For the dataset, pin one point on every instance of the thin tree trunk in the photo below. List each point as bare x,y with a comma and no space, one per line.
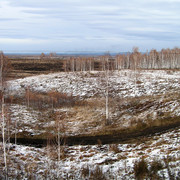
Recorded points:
107,93
15,132
3,134
3,115
28,97
107,102
135,80
59,149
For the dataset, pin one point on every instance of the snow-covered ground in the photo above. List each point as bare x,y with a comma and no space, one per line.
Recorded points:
143,96
79,161
125,83
157,96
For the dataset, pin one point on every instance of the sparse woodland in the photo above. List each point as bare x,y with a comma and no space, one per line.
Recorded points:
164,59
91,117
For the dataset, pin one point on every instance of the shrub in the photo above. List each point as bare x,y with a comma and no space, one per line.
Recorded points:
85,171
97,174
114,148
93,173
140,169
156,166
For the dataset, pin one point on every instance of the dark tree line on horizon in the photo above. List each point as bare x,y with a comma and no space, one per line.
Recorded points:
164,59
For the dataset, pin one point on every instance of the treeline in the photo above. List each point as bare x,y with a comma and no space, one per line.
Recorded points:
164,59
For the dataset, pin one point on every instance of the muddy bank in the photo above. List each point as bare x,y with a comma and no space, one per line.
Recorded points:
121,137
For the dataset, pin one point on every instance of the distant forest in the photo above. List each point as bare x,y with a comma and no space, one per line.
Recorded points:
164,59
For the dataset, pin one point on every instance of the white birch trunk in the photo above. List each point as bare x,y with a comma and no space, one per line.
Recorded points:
3,114
135,80
107,93
59,149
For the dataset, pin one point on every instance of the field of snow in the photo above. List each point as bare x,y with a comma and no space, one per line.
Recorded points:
125,83
141,96
145,98
114,161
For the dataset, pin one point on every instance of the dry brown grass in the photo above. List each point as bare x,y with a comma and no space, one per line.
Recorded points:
52,152
114,148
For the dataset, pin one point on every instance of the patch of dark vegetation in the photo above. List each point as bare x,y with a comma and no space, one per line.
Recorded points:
118,137
30,141
145,170
114,148
47,66
43,101
93,173
23,66
156,166
149,170
141,169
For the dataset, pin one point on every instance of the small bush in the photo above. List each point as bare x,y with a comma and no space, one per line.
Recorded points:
64,153
156,166
92,173
97,174
140,169
114,148
85,171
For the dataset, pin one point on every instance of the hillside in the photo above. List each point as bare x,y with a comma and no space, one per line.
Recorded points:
73,106
143,98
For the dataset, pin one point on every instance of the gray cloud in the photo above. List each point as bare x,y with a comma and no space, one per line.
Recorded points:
89,24
9,19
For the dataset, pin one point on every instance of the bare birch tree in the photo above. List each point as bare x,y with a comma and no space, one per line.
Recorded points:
3,72
107,56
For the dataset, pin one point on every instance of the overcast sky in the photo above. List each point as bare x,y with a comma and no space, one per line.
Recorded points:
88,25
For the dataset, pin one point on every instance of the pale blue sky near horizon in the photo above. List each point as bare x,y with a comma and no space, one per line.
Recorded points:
88,25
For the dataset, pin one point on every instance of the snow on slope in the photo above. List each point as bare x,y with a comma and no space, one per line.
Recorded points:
42,163
88,84
93,84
